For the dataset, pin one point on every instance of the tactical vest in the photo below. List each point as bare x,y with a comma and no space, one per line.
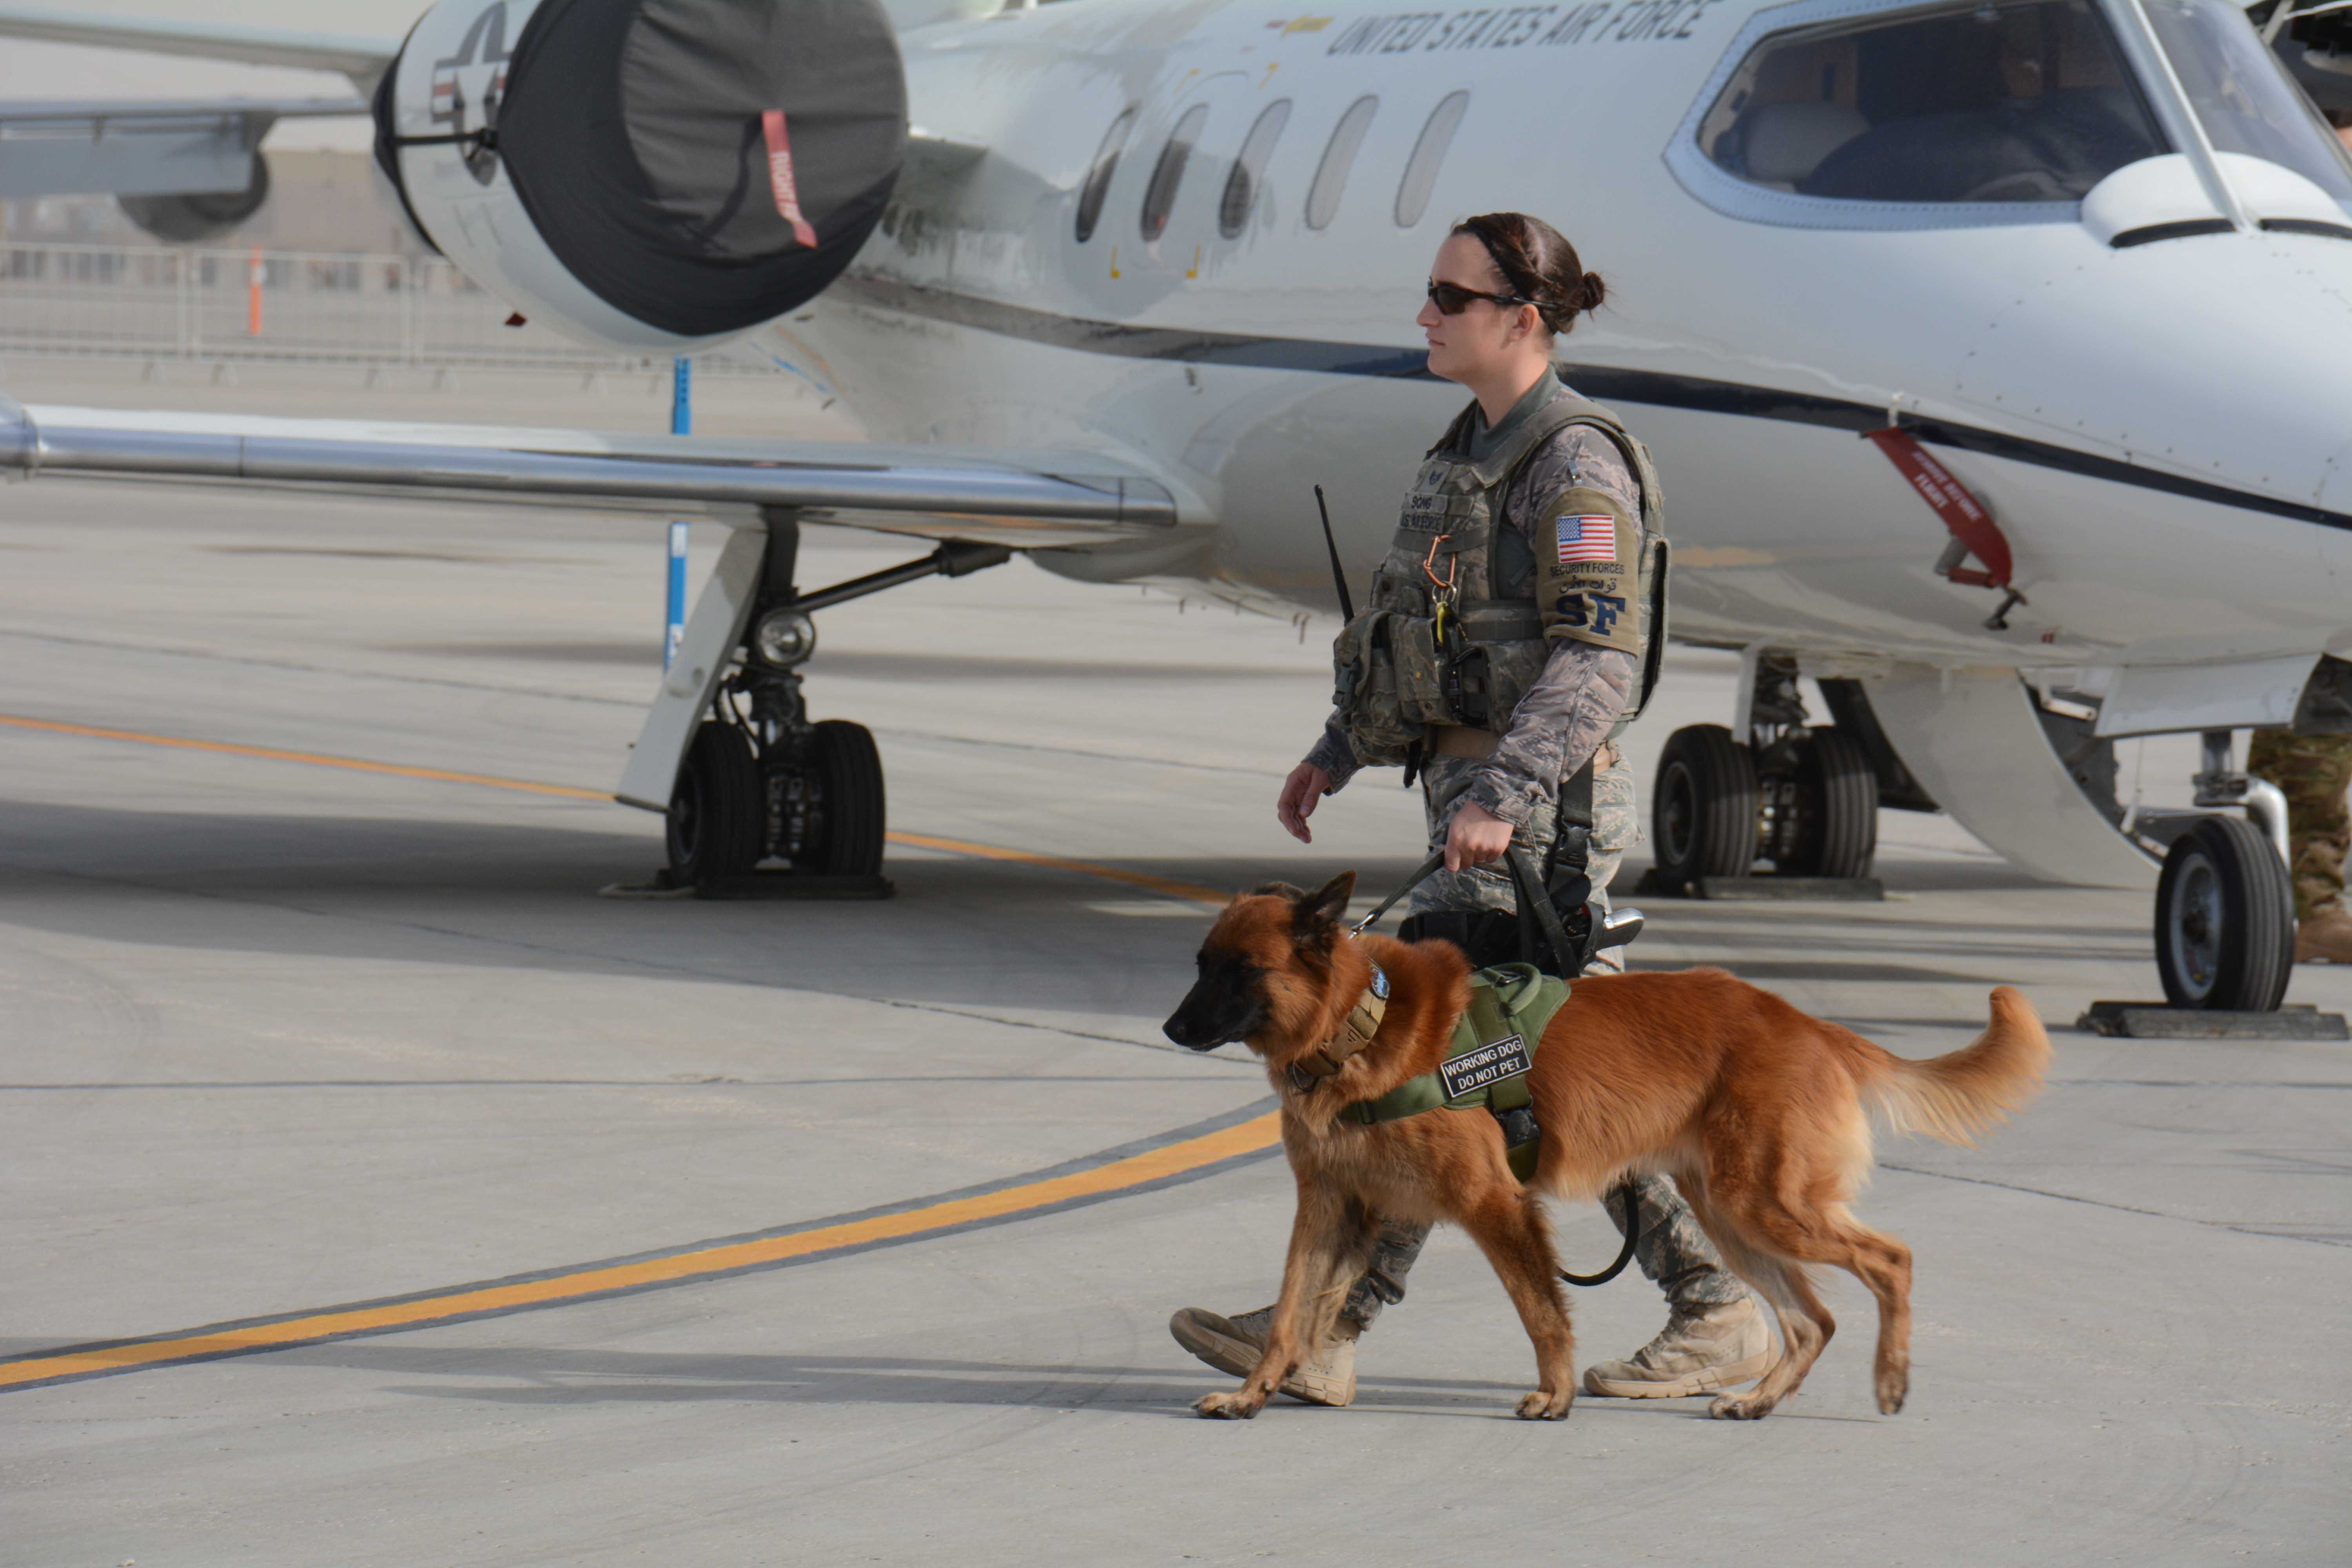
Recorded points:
1402,666
1488,1062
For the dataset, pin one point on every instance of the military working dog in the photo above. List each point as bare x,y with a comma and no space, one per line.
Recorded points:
1759,1111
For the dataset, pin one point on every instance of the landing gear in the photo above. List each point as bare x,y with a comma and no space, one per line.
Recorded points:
1803,798
1820,806
2224,919
718,823
759,781
2225,903
768,784
1705,813
828,808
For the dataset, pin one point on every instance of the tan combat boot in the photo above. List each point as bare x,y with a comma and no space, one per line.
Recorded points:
1234,1344
2326,937
1695,1354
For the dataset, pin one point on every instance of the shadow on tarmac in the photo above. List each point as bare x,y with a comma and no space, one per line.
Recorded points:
516,895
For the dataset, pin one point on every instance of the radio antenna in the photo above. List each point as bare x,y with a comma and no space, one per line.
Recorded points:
1339,578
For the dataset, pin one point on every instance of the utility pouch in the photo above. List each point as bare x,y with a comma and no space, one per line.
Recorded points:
1420,670
1380,727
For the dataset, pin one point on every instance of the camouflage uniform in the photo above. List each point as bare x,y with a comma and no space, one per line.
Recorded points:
2312,770
1566,717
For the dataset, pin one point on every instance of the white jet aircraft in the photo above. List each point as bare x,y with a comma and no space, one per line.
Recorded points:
1996,354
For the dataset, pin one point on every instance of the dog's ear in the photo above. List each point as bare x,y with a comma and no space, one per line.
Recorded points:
1277,890
1328,904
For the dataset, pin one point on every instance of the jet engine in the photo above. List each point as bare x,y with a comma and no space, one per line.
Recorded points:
646,175
191,218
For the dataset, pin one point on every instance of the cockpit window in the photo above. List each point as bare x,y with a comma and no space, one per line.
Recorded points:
2243,96
1988,102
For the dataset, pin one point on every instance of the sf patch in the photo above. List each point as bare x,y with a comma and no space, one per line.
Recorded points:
1594,613
1483,1065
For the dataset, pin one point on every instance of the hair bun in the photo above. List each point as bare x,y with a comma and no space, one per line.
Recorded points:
1537,265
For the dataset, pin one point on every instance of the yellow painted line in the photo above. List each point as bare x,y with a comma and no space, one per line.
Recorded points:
439,775
1145,880
1136,1170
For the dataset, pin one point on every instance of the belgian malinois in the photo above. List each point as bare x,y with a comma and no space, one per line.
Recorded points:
1756,1110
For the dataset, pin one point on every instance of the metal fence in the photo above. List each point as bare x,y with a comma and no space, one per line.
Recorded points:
140,302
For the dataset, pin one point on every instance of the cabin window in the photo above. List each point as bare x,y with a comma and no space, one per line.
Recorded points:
1428,153
1988,102
1249,169
1160,196
1106,163
1331,175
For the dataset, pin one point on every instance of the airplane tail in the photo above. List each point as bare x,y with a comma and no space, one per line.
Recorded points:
1954,1097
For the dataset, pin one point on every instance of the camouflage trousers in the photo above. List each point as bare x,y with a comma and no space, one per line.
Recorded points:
1672,1250
2312,770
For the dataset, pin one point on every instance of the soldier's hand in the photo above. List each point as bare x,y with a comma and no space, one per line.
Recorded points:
1476,838
1300,793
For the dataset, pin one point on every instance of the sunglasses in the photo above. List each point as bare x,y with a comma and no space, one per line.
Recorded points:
1452,298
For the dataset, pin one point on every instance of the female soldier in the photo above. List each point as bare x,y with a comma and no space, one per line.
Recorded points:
1525,527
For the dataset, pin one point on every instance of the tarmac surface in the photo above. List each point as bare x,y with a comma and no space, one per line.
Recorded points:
572,1229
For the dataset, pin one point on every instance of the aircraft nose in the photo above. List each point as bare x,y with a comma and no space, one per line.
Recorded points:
2222,358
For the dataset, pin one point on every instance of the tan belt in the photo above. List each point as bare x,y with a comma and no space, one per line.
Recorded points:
1461,740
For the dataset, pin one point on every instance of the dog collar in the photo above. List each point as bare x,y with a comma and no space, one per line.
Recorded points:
1356,1032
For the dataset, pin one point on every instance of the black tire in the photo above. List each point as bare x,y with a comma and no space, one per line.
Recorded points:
1702,815
2224,919
845,776
718,822
1837,808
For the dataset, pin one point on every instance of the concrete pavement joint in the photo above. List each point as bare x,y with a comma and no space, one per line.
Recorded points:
2102,1203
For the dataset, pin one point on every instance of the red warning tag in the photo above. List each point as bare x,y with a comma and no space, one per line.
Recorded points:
779,177
1962,513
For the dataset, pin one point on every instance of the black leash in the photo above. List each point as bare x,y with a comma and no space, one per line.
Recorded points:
1534,896
1428,868
1624,1254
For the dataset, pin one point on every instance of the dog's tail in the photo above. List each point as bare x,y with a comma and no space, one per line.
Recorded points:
1953,1097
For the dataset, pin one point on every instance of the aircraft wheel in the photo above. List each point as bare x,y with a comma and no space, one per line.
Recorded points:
1703,817
844,778
1837,808
718,822
2224,919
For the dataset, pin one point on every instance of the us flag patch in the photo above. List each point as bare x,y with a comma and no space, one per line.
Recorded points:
1587,539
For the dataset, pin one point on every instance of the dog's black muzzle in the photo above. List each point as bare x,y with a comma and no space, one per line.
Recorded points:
1223,1004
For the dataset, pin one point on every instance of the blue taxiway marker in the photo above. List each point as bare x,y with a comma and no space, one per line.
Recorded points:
681,423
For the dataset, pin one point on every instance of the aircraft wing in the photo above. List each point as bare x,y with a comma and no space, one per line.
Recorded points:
362,59
1047,499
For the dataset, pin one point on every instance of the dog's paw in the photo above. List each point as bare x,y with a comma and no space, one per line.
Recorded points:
1227,1406
1740,1407
1544,1406
1891,1392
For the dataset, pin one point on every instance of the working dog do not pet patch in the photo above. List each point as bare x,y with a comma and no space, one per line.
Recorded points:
1488,1064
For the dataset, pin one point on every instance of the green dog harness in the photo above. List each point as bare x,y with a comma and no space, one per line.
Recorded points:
1487,1065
